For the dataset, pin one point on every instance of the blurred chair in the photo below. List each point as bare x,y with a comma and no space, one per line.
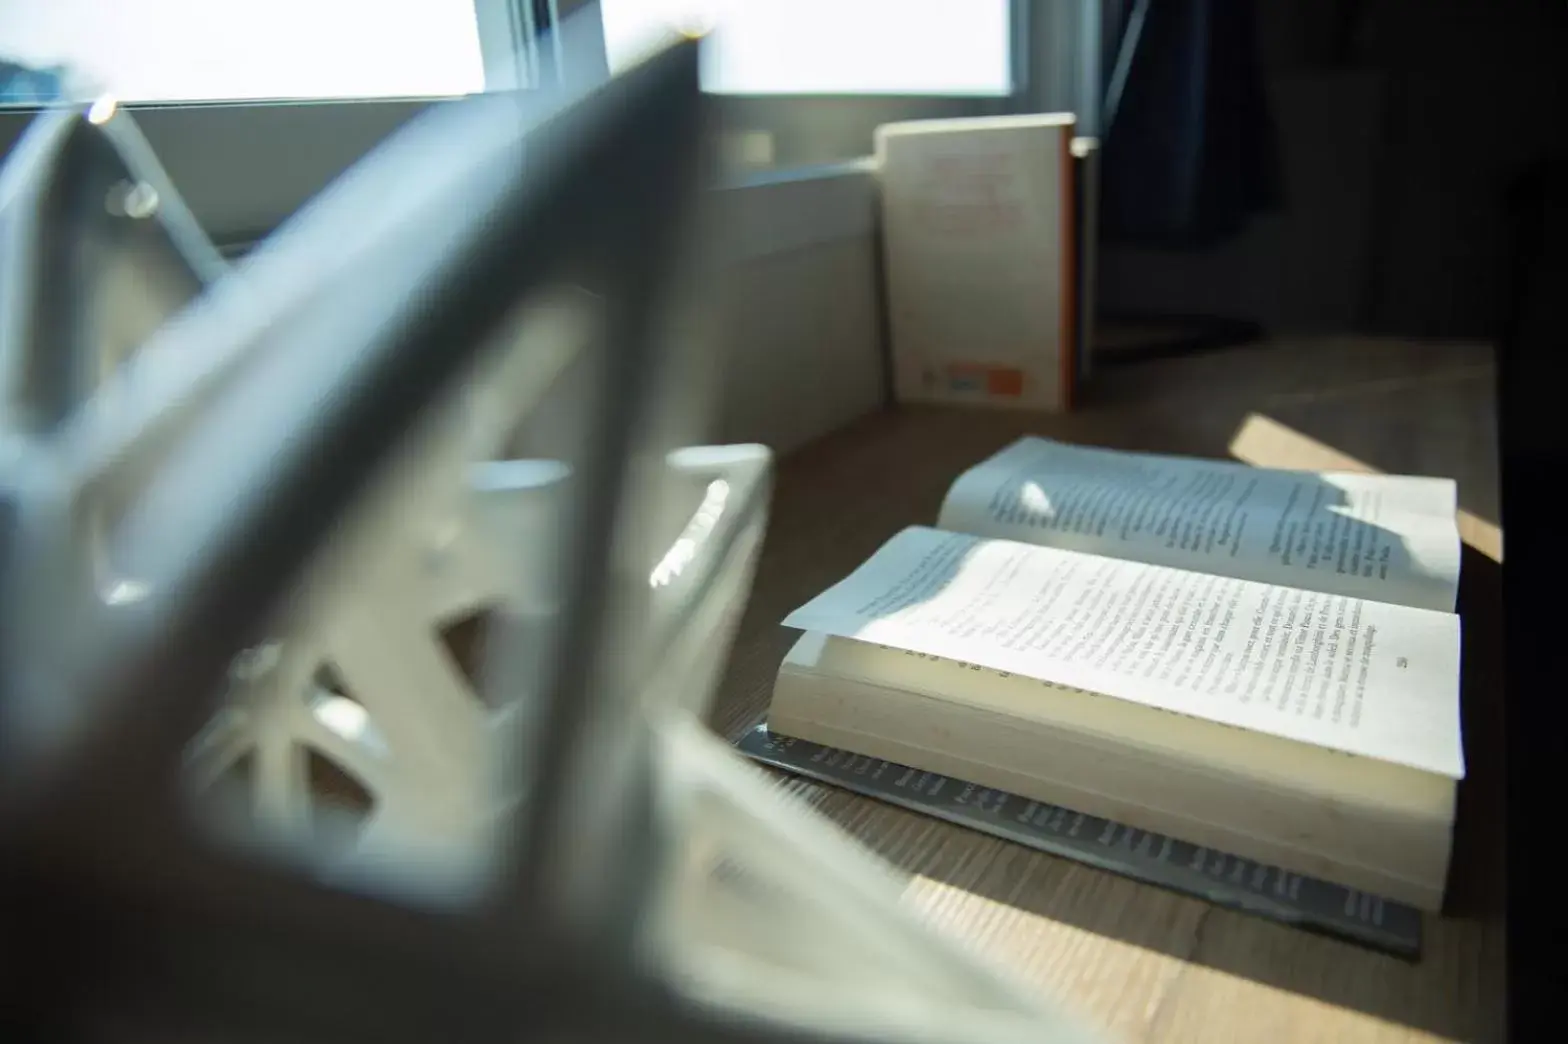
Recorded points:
253,784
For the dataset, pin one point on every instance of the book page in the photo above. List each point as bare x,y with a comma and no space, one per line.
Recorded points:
1392,538
1363,677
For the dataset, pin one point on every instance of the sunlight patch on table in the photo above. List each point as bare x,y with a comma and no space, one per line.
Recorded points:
1266,443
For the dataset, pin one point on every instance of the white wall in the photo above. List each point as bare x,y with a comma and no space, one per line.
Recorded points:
802,329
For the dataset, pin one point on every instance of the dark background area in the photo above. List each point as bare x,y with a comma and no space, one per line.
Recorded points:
1403,126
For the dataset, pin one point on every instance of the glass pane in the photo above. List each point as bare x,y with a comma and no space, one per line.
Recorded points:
829,46
194,50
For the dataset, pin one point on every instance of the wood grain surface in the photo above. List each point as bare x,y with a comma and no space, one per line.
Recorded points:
1141,962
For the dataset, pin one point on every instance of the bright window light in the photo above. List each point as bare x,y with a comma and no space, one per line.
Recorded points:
196,50
827,46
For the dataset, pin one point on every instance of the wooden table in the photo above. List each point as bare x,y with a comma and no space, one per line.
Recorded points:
1141,962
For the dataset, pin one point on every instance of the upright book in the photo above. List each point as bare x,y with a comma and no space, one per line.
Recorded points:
1262,662
978,249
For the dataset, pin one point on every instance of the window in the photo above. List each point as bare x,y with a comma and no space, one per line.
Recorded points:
795,82
248,154
806,82
921,47
203,50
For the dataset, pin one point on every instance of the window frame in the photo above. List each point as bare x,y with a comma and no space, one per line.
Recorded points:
244,167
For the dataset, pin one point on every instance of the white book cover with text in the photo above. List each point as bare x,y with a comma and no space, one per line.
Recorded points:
977,225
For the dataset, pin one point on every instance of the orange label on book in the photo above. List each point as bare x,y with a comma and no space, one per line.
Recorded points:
1005,381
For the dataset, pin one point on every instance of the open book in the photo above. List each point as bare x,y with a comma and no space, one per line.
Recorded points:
1265,662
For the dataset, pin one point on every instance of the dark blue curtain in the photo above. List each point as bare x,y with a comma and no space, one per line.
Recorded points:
1191,155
